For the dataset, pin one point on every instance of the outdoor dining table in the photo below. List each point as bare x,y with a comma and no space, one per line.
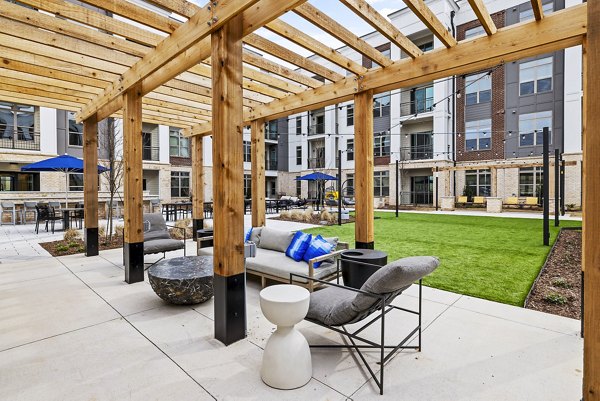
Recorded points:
67,214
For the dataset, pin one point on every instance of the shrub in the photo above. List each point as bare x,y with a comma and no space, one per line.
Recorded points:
183,223
286,214
71,234
119,230
74,244
308,215
101,231
325,215
208,224
561,282
297,215
555,298
61,248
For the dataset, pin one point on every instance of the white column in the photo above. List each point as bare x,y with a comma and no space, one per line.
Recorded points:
163,144
48,132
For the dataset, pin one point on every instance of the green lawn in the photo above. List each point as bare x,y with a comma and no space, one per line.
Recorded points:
487,257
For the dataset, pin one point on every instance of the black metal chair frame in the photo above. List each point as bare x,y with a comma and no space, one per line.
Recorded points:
368,344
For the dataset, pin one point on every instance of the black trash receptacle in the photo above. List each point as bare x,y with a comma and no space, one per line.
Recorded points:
355,274
204,233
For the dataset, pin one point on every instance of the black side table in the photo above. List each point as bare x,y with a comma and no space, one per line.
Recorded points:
354,273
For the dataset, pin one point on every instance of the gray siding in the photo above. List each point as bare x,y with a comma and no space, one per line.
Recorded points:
480,111
381,123
282,144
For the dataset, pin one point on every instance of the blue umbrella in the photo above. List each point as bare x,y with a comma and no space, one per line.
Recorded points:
64,163
316,177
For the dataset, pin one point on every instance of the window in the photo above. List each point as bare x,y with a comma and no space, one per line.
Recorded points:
247,150
247,186
477,31
535,76
298,186
479,181
382,144
350,115
75,182
298,125
387,52
298,155
178,144
180,184
478,88
426,46
478,135
382,183
271,130
421,100
19,119
381,106
349,185
531,128
421,146
530,181
528,14
11,181
350,149
75,131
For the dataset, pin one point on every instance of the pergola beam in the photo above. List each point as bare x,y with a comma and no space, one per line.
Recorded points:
420,9
90,185
483,16
381,24
538,10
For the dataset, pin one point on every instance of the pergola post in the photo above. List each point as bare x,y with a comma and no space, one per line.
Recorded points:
197,184
133,246
228,183
90,184
363,187
591,205
257,135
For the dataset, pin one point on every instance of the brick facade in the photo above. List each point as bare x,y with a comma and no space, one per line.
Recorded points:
497,114
180,161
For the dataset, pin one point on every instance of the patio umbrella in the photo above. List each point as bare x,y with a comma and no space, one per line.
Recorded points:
320,178
64,163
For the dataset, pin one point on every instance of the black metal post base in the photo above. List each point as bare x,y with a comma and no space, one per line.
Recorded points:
133,258
364,245
197,224
230,308
90,237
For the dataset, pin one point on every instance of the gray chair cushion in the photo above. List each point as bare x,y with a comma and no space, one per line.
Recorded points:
275,240
162,245
158,227
255,235
337,306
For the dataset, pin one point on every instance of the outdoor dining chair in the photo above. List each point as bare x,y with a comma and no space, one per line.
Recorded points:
10,209
29,208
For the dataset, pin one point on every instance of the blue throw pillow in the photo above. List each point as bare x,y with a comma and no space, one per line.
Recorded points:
298,246
248,234
317,247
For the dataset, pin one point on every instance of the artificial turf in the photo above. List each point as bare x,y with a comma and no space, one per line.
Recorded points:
487,257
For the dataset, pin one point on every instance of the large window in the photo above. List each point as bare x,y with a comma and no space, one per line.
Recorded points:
247,151
17,127
382,144
479,181
421,100
298,187
75,131
75,182
528,14
180,184
247,186
350,149
478,135
298,125
425,47
530,181
381,106
477,31
11,181
178,144
421,146
531,128
350,115
381,183
271,130
535,76
298,155
349,185
478,88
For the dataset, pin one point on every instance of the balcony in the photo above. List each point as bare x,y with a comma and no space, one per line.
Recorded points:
316,129
417,106
20,139
316,162
150,153
271,136
416,153
271,164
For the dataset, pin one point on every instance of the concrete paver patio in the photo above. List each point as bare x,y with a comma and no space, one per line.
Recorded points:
71,329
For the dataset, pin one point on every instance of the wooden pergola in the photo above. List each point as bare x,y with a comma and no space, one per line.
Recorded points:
177,64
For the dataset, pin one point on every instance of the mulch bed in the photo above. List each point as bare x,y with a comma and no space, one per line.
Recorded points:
558,288
315,220
62,247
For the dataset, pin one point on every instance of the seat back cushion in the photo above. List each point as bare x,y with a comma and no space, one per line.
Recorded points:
275,240
158,227
255,235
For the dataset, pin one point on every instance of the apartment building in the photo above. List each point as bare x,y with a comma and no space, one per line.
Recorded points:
478,134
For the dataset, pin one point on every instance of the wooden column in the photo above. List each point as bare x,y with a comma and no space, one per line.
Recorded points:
90,184
197,184
258,172
228,183
363,170
591,205
133,247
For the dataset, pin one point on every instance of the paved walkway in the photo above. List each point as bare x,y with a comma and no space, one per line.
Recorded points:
71,329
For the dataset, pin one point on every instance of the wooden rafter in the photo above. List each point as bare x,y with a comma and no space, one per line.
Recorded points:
338,31
277,69
300,38
483,16
538,10
385,27
420,9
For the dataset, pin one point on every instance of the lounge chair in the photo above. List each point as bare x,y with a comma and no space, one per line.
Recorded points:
336,306
531,201
512,201
479,200
462,200
157,238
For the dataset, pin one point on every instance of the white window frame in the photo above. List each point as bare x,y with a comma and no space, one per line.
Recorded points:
381,183
537,75
482,129
182,143
381,141
247,151
478,84
537,132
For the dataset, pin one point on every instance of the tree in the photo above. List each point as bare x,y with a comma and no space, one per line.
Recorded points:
110,143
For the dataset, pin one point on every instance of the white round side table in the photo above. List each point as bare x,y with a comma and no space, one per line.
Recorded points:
286,359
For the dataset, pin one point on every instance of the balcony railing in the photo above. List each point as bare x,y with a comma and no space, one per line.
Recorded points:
271,164
416,107
20,139
150,153
316,129
416,152
316,162
416,198
271,136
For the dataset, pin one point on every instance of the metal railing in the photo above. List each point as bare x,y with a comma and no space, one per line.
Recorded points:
316,162
150,153
416,107
416,152
271,136
316,129
416,198
271,164
20,139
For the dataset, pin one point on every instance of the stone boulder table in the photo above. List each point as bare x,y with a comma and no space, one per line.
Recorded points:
183,281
